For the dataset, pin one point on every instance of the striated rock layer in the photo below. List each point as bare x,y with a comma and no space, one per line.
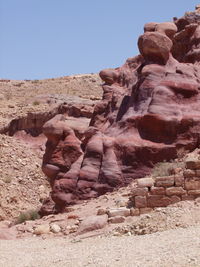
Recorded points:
150,109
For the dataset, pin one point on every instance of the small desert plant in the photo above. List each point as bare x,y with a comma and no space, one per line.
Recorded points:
7,179
166,168
35,81
36,103
29,215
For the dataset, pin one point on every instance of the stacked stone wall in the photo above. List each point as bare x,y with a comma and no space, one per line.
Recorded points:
156,192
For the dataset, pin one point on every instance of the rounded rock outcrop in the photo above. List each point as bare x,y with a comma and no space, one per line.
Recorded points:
155,47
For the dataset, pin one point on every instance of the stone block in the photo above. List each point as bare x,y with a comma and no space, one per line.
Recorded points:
134,212
116,219
157,190
101,211
187,197
175,199
192,184
119,212
192,164
179,180
140,202
188,173
166,181
194,192
158,201
145,182
171,191
145,210
197,173
141,191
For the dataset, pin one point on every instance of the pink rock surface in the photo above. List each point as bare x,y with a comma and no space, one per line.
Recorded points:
150,108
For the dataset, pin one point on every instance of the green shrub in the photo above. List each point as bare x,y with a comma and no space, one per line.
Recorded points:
29,215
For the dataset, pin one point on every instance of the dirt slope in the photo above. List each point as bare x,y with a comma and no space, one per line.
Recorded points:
22,183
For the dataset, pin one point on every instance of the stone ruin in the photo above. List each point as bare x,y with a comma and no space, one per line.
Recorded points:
150,110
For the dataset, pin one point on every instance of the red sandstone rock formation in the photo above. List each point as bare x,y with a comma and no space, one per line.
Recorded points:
149,110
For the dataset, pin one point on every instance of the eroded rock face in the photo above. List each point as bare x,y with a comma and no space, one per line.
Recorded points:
149,110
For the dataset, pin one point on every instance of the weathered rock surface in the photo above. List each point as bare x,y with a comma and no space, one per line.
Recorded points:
149,110
93,223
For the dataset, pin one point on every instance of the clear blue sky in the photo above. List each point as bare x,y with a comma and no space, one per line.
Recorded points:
52,38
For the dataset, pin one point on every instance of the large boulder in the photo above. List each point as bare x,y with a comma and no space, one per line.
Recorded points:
155,47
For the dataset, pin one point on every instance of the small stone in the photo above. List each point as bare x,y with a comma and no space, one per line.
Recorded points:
73,228
101,211
55,228
117,234
42,229
134,212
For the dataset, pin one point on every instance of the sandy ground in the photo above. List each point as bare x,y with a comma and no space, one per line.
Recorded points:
180,247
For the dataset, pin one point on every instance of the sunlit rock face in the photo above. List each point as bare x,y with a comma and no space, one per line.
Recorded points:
149,110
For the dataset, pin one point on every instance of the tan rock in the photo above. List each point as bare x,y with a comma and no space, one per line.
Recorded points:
119,212
55,228
42,229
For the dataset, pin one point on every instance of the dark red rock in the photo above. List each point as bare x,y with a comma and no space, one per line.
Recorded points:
150,108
